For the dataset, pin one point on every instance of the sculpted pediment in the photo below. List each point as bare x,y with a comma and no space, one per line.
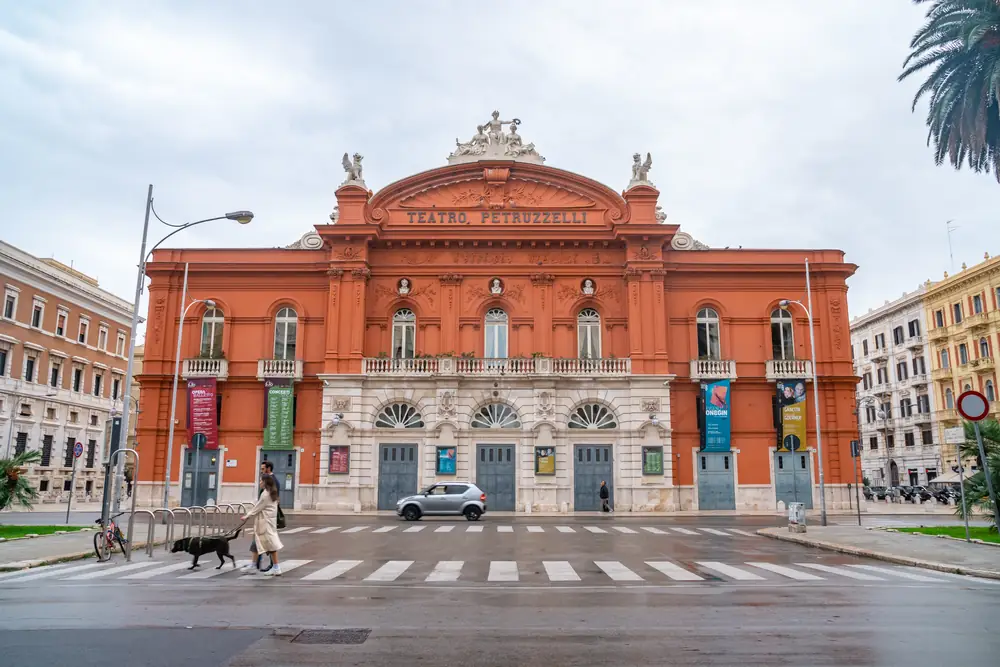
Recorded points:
514,193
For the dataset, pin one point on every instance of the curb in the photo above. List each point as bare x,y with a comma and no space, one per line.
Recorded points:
876,555
943,537
15,566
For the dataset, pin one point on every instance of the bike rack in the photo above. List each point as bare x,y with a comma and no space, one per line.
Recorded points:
212,512
201,524
187,522
229,522
170,520
135,496
150,535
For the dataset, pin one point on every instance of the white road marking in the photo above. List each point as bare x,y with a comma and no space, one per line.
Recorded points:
212,572
730,571
654,531
43,568
713,531
413,529
96,574
390,571
332,571
595,529
842,571
742,532
292,531
535,529
157,571
286,567
786,572
384,529
58,572
444,529
617,571
324,531
503,570
560,570
474,529
355,529
505,529
673,570
897,573
565,529
446,570
683,531
627,531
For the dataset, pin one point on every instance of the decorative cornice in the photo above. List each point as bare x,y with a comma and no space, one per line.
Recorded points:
542,278
361,274
631,273
451,278
335,273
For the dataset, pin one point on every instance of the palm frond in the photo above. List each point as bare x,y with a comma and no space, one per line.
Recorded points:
14,487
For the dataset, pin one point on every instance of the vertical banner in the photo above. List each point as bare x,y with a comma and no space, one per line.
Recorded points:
792,402
715,398
279,413
446,460
202,416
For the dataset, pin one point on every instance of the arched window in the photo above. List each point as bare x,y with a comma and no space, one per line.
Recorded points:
399,415
496,334
782,340
708,334
211,333
949,398
945,360
588,334
592,415
496,415
991,392
984,348
404,331
285,330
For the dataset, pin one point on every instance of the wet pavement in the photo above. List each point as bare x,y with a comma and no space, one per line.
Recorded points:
525,591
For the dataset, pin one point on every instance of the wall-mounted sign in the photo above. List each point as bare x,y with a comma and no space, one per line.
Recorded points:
652,460
716,400
446,460
340,459
792,403
202,415
279,414
545,460
230,463
435,217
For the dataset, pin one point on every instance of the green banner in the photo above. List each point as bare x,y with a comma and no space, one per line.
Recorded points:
280,397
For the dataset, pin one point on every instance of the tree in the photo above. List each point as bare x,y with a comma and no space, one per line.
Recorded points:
14,488
977,496
960,42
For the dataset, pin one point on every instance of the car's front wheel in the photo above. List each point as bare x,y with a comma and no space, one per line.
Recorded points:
411,513
472,513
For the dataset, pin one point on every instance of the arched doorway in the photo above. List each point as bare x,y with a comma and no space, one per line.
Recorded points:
893,474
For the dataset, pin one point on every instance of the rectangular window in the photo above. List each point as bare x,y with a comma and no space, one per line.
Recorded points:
67,485
3,362
68,455
870,414
890,442
939,318
873,442
957,312
882,374
905,407
963,354
77,379
74,417
25,410
120,344
102,339
927,437
91,453
919,366
43,485
977,304
897,336
46,451
866,380
82,336
945,361
10,306
923,404
98,379
914,328
908,439
902,371
864,347
21,443
116,385
879,341
37,309
29,369
61,318
50,414
54,374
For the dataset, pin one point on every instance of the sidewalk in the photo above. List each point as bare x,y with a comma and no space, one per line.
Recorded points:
48,549
954,556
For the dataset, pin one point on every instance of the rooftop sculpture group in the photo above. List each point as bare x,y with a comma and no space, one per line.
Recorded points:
490,143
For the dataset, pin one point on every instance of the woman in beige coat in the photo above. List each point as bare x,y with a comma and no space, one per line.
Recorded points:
265,528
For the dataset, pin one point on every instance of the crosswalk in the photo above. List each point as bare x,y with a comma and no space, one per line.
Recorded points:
456,529
501,572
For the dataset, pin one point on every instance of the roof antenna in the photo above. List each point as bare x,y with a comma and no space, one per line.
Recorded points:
951,254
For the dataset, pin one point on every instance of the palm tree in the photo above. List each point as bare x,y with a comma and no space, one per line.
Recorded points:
961,43
977,496
15,489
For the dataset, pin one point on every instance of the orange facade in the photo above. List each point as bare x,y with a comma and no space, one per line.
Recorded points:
600,302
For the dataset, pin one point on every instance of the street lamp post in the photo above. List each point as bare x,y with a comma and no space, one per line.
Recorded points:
861,402
242,217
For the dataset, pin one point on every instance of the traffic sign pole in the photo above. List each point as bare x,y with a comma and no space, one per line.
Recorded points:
973,406
77,451
856,456
986,471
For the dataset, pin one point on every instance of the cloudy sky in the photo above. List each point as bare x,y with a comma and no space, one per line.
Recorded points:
771,124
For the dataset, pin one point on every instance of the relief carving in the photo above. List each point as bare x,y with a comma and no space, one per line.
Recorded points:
650,405
342,403
542,279
361,274
473,257
446,404
567,292
644,253
158,309
631,273
348,253
838,329
546,405
335,273
451,278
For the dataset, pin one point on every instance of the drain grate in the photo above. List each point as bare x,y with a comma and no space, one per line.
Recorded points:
347,636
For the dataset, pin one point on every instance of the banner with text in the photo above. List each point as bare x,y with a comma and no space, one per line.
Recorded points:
792,401
202,415
279,413
715,398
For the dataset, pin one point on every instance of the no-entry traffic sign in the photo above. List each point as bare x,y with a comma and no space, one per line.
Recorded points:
973,406
78,450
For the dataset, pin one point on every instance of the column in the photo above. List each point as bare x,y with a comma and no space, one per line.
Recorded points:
543,312
450,306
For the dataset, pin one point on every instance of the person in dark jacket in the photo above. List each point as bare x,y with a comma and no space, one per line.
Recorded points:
605,497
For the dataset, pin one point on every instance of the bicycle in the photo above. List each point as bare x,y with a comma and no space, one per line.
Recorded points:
112,536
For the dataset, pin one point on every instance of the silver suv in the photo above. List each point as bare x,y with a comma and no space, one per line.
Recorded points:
448,498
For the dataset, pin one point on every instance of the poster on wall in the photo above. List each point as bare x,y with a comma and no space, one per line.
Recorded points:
340,459
202,416
545,460
279,413
652,460
792,403
716,399
446,460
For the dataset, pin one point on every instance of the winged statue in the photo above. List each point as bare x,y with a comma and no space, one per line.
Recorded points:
353,169
640,169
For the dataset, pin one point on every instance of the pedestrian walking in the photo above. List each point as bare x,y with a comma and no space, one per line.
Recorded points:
267,470
605,497
265,529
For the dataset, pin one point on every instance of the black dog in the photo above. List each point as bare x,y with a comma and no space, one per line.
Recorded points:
199,546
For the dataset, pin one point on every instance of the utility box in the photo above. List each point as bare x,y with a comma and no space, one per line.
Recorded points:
796,517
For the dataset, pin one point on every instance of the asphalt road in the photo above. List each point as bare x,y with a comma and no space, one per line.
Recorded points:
525,591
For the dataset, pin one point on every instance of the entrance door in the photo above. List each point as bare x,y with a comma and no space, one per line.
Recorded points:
397,474
592,465
716,481
914,477
283,461
199,486
495,476
792,479
893,474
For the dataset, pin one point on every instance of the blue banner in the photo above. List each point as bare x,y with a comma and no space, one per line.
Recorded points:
446,460
715,398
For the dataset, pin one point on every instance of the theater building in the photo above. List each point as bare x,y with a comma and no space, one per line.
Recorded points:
506,322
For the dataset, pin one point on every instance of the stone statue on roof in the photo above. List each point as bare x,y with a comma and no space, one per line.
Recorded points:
353,170
490,143
640,170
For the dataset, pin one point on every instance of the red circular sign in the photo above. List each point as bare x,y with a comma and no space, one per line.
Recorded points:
973,406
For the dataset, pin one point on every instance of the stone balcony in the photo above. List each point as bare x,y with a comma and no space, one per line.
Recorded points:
938,333
713,369
915,342
947,415
205,368
921,417
279,368
976,322
882,389
880,355
788,369
478,367
939,374
983,364
918,380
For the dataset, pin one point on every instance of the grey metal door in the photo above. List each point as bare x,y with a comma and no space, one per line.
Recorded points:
284,471
716,481
592,464
792,481
495,476
199,480
397,474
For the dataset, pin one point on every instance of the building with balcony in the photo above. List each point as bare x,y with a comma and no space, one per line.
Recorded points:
506,322
963,314
900,443
63,357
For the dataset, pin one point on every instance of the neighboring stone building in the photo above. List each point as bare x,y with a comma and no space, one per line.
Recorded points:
505,322
900,444
63,347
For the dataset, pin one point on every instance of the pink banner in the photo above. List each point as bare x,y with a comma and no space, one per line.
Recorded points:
202,417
